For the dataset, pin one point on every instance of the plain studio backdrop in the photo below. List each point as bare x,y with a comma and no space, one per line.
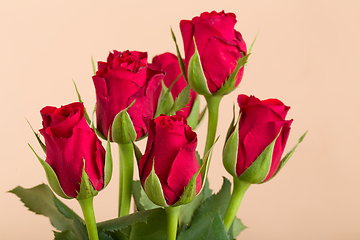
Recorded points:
306,54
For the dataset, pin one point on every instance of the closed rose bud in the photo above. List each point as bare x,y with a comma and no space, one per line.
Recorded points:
71,143
170,65
253,151
219,48
125,77
169,162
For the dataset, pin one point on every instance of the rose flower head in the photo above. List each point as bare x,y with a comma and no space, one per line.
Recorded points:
215,53
75,158
254,147
169,164
124,78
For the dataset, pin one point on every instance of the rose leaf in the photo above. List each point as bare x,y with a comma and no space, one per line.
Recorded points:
41,200
216,202
209,226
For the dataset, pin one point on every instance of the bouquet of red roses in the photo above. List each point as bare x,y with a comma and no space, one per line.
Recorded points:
136,99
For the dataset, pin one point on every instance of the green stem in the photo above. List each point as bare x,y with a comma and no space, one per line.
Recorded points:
126,157
239,190
89,216
172,214
213,103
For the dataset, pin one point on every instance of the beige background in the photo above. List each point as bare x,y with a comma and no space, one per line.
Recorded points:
307,54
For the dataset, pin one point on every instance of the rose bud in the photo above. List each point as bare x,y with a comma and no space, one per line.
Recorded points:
170,65
214,63
125,77
75,159
169,165
252,152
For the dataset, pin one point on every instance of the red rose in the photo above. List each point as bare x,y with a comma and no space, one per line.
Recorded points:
69,143
170,65
126,77
261,122
171,148
219,45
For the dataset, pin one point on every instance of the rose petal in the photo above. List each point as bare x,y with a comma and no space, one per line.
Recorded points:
184,166
145,103
202,33
277,106
222,22
254,115
255,142
219,60
279,148
45,114
187,31
144,165
240,42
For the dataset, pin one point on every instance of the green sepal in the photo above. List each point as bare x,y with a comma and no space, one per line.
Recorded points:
99,134
190,191
79,97
93,65
187,211
166,100
196,76
260,168
123,131
231,127
287,157
108,168
86,188
42,145
153,189
205,164
142,201
252,44
92,124
138,153
51,177
180,59
166,103
193,117
230,150
229,84
181,101
198,158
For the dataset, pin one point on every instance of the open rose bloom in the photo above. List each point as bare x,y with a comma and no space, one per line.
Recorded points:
123,78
